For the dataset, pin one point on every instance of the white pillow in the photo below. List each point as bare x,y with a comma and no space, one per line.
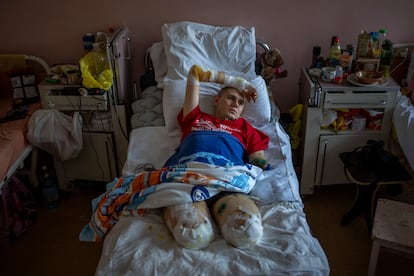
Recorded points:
159,62
257,113
230,49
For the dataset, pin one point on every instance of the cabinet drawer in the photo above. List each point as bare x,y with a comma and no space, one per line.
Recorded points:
355,100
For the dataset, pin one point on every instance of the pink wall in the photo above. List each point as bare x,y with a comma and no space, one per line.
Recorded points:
53,29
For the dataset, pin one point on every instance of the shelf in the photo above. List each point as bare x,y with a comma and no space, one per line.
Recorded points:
349,131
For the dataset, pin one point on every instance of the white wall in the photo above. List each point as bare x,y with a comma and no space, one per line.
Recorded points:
53,29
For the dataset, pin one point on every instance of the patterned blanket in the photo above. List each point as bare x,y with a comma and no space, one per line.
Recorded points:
193,181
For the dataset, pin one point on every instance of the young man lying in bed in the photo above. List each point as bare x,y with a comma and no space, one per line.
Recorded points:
236,142
210,172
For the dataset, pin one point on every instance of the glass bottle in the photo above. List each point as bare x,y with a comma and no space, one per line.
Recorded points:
335,52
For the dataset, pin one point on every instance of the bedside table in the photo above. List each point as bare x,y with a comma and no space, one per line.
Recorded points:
104,142
320,147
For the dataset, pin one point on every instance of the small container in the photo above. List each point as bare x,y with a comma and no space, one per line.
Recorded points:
359,122
328,74
363,44
339,74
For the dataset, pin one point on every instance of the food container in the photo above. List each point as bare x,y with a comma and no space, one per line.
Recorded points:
359,122
367,77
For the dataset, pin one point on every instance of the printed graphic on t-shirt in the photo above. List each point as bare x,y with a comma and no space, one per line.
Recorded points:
202,124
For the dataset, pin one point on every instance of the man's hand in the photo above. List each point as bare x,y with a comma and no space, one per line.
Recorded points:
197,75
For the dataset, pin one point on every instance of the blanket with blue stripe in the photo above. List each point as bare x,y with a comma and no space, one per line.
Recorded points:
188,182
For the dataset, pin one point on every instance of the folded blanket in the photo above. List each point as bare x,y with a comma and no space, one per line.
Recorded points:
190,182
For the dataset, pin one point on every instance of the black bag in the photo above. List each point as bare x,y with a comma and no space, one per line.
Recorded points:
17,210
374,160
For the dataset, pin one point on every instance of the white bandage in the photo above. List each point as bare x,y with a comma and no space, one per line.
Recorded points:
213,76
238,83
193,229
242,235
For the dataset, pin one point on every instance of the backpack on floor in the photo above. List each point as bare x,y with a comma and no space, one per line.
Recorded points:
17,210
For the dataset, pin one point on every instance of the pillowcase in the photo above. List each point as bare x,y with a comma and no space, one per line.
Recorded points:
159,62
256,113
230,49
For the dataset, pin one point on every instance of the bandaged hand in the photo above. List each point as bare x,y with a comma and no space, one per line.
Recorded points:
197,75
245,87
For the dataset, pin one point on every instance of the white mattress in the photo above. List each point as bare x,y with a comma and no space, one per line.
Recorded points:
144,246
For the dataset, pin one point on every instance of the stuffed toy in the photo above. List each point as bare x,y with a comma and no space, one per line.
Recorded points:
271,61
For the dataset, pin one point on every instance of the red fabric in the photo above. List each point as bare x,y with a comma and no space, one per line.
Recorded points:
252,138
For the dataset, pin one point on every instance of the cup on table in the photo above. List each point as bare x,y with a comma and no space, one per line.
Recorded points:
328,74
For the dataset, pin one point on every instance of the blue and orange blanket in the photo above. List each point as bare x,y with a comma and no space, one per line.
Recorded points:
189,182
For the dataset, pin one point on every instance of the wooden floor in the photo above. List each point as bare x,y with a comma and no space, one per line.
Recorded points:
51,246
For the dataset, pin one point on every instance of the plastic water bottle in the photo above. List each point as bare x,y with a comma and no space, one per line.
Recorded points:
49,189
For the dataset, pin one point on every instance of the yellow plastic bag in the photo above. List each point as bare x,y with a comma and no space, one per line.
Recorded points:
96,72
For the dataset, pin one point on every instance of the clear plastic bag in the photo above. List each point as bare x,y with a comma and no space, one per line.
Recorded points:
96,72
56,133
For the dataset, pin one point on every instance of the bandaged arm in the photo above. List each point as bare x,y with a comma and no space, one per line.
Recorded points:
197,75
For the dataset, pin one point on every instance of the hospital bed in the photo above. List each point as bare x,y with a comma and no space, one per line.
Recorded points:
14,148
140,244
403,115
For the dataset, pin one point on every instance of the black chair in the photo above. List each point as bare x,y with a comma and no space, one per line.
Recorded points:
370,167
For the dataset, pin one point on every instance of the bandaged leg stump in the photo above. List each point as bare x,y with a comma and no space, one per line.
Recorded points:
239,220
190,224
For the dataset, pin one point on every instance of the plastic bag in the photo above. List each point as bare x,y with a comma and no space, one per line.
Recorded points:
96,72
56,133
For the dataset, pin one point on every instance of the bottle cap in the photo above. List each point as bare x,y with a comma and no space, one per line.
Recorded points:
383,31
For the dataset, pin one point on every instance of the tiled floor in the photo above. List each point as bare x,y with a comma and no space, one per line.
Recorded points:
51,246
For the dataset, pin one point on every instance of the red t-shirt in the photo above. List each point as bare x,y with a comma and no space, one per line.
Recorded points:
252,138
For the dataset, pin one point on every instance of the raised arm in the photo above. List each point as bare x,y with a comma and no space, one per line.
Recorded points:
192,92
197,75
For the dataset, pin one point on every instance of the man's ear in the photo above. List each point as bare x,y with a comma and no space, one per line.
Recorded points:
216,97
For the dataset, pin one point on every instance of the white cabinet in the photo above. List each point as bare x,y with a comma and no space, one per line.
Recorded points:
96,162
320,146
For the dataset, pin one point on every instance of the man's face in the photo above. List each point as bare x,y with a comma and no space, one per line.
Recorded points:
229,104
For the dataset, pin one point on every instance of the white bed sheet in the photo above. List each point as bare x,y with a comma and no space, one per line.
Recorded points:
144,246
403,119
